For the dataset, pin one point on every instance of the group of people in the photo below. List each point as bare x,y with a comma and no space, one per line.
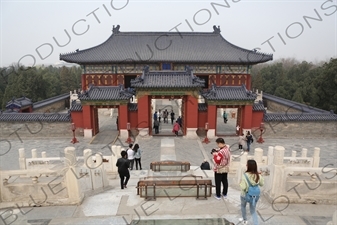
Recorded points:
124,164
245,140
164,114
250,179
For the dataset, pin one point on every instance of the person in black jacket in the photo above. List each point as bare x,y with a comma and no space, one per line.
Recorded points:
123,165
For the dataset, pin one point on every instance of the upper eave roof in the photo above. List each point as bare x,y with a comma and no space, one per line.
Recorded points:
187,47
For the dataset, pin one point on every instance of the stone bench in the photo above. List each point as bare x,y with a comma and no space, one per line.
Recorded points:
175,186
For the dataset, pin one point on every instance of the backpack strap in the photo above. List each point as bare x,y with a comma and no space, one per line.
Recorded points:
247,180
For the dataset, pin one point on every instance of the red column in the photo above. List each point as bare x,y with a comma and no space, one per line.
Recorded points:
122,116
247,115
144,112
249,82
87,117
211,116
191,112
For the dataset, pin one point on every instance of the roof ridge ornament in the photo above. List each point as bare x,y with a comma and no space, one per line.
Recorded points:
216,29
115,30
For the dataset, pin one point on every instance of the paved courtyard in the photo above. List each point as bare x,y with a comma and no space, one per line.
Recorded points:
119,207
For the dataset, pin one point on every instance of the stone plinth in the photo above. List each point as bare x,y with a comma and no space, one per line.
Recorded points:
87,133
191,133
211,133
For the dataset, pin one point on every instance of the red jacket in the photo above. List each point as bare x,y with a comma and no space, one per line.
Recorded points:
176,127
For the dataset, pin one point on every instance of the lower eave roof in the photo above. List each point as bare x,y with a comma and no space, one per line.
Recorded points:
228,93
283,117
35,117
108,93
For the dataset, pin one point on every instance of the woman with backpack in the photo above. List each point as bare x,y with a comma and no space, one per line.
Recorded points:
138,155
251,180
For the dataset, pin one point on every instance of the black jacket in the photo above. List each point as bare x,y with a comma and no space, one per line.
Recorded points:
123,165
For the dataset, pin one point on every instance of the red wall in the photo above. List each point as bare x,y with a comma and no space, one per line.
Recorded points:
144,112
257,118
123,116
202,119
191,112
133,119
247,113
77,118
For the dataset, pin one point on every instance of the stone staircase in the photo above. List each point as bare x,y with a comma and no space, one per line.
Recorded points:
165,129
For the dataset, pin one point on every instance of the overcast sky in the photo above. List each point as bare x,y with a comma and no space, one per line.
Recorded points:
28,27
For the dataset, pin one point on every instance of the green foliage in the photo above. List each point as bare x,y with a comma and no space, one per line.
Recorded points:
302,82
37,83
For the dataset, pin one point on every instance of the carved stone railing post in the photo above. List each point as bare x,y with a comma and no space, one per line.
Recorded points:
87,155
258,155
114,157
304,152
293,154
270,155
316,157
22,159
34,153
72,176
277,184
278,155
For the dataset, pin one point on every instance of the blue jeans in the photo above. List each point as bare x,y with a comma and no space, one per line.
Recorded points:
248,145
251,208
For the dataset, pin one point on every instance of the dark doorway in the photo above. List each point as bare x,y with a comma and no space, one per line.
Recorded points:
127,80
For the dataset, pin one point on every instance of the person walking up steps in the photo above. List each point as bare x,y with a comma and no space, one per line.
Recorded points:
249,139
225,115
160,115
123,169
138,155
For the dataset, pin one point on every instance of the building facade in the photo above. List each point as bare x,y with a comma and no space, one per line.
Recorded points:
202,69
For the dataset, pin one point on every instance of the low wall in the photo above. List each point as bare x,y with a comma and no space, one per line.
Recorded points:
277,107
35,129
51,108
298,129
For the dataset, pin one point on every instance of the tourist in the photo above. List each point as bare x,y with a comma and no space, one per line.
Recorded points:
117,122
249,139
225,115
123,169
138,155
172,116
221,160
179,121
176,128
241,142
155,116
165,114
255,179
205,165
156,126
131,156
160,115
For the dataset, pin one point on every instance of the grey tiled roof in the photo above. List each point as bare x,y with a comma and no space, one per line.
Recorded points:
193,47
26,117
293,105
133,106
258,107
51,100
228,93
283,117
167,79
105,93
202,107
18,103
76,107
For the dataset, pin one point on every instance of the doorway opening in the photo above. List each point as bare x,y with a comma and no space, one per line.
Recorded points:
226,127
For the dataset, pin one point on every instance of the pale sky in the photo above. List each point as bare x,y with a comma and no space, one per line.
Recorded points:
28,27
